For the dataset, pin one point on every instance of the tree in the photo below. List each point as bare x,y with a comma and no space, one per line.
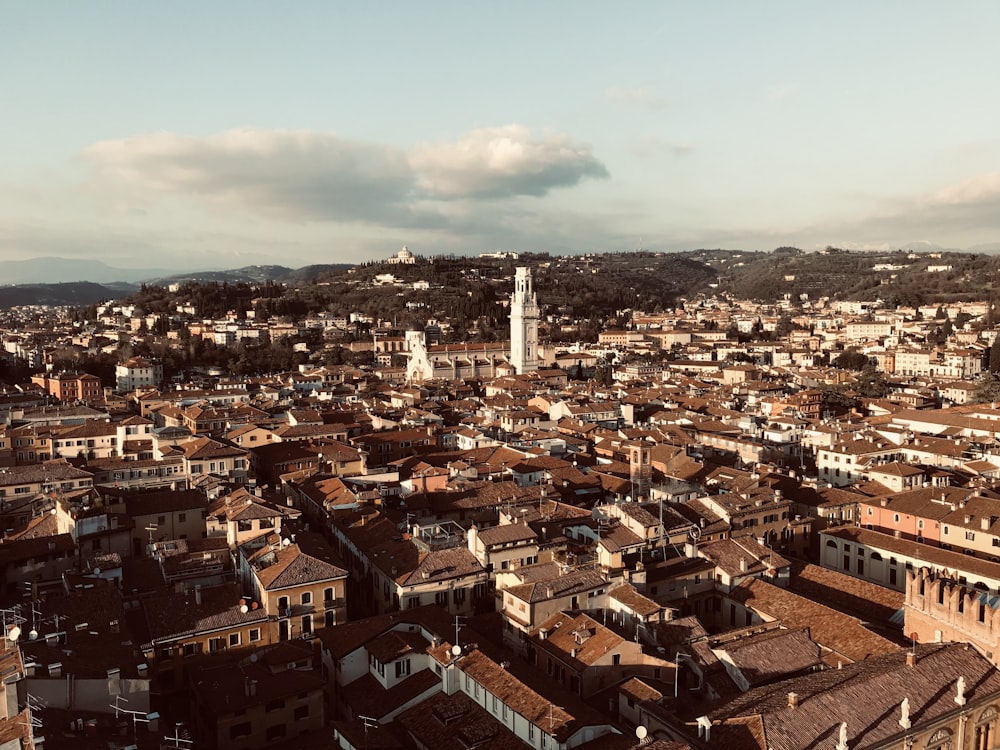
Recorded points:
784,326
850,360
987,389
604,374
871,382
994,362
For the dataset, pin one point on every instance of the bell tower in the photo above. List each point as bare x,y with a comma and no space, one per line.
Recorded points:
523,323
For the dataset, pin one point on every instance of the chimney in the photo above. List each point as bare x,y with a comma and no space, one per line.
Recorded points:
55,669
197,595
743,565
987,521
793,700
911,659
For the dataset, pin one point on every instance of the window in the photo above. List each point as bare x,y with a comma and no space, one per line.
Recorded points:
182,517
160,520
970,536
945,531
307,597
328,594
302,712
282,604
216,644
275,705
402,667
616,660
273,733
234,639
239,730
254,634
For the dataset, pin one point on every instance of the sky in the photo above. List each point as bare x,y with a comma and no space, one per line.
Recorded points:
190,135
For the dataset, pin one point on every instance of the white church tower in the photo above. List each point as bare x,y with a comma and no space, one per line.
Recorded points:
523,323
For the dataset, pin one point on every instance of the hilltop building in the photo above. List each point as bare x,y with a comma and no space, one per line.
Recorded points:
404,258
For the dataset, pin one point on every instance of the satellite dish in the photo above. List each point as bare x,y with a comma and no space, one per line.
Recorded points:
32,635
641,732
244,609
97,571
253,658
285,542
14,633
695,533
456,650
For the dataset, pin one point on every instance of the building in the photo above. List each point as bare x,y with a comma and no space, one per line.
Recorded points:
70,387
524,323
403,258
138,372
935,696
297,579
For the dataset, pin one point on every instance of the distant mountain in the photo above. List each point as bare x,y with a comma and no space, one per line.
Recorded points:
989,247
74,294
70,270
254,274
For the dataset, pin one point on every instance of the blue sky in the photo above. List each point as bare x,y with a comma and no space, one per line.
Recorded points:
222,134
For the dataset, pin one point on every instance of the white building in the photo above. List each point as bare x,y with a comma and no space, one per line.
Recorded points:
524,323
138,372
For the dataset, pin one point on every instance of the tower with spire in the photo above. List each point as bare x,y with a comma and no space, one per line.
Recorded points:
523,323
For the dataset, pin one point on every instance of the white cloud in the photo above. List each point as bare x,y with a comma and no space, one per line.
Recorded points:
501,162
639,96
326,177
300,174
984,187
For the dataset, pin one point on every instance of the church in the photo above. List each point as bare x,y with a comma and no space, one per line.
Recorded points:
483,360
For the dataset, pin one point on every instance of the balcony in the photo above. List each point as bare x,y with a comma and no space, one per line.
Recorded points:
334,603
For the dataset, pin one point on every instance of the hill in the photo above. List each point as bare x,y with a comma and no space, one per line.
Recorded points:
76,294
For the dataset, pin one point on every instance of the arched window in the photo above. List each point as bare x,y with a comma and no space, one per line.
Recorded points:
940,740
985,730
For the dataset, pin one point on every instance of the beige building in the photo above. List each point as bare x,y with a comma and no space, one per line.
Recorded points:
297,579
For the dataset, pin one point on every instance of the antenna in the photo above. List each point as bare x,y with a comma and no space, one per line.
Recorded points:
34,704
137,716
552,718
178,741
458,623
370,723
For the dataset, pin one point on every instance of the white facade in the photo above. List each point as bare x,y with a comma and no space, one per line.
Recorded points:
524,323
138,373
